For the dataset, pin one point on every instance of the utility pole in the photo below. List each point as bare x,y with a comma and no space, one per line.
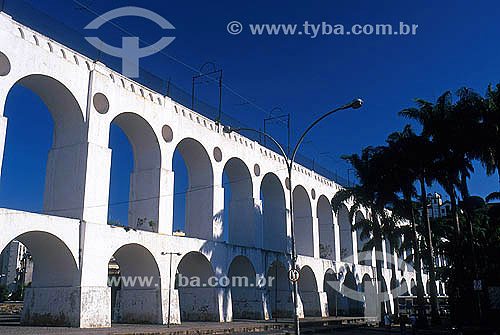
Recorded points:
219,79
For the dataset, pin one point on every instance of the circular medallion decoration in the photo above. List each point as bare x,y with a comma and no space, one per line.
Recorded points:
217,154
101,103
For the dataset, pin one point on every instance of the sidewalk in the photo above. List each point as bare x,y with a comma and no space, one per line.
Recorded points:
187,328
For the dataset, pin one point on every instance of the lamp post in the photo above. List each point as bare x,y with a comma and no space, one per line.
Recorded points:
279,117
355,104
170,282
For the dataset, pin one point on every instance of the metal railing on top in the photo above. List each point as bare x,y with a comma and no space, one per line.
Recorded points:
40,21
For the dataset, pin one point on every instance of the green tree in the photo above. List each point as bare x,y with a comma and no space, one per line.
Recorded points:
431,118
373,194
404,172
489,151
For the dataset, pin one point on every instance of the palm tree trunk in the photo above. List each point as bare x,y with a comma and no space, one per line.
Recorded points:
435,319
421,318
454,212
393,277
378,266
377,237
464,188
456,284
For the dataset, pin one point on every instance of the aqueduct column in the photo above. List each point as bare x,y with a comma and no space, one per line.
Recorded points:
315,227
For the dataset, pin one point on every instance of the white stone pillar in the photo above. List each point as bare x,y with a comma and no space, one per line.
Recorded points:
150,201
266,304
166,202
77,182
323,302
175,312
300,307
3,135
224,304
355,258
199,216
218,227
315,232
384,252
242,222
95,307
336,231
258,224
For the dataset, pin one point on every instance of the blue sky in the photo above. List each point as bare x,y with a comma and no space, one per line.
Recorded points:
455,45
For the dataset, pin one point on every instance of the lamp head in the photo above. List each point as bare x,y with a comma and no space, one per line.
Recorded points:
227,129
355,104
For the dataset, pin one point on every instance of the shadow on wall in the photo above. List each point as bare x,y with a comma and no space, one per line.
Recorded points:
352,302
331,286
138,300
248,302
308,291
198,300
281,242
280,294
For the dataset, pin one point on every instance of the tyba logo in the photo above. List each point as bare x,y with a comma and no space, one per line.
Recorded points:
130,52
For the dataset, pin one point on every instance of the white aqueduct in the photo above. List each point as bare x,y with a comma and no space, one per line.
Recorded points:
72,243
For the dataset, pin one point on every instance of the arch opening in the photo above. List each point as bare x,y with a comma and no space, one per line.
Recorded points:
364,256
197,298
142,210
134,278
193,188
352,301
403,288
326,228
413,287
43,116
239,201
302,215
345,228
280,292
274,213
370,297
41,271
308,290
331,286
245,298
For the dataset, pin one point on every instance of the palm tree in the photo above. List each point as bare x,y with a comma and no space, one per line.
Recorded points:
489,156
459,132
431,117
403,169
373,194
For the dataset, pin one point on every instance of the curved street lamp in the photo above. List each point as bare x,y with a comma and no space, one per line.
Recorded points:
355,104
